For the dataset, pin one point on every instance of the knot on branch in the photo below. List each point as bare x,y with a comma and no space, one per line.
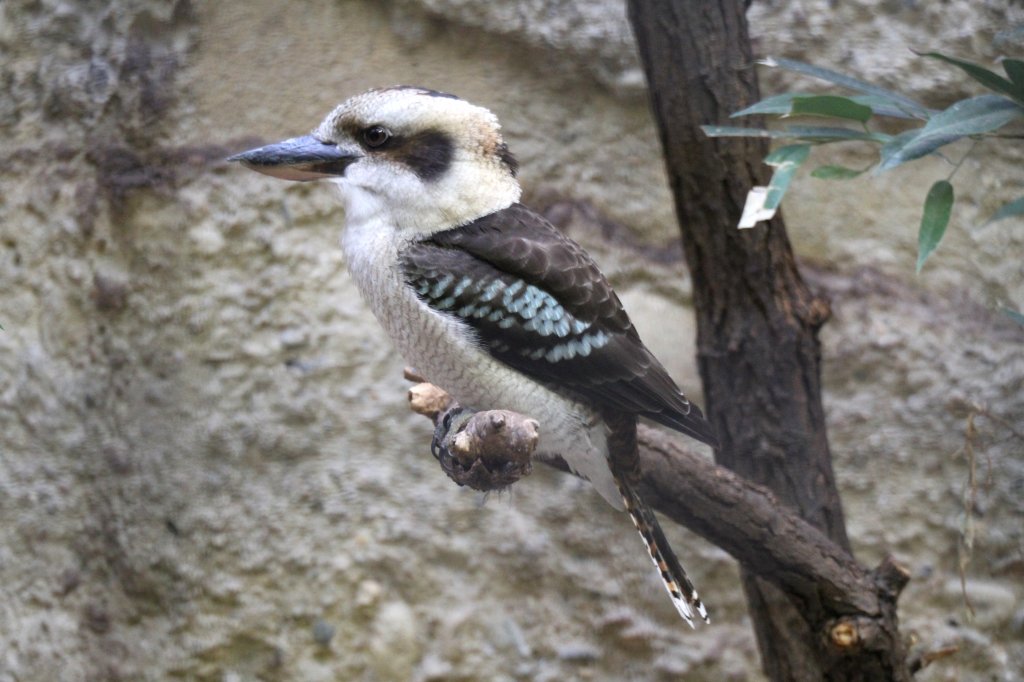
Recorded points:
483,450
891,576
844,634
850,635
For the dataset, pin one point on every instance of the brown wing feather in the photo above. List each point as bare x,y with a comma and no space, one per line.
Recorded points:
539,303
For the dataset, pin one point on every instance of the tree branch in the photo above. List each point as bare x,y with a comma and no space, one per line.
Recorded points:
849,603
748,522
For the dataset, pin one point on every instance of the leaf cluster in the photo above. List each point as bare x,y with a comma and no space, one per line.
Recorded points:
931,130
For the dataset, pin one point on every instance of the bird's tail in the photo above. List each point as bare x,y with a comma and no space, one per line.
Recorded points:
680,589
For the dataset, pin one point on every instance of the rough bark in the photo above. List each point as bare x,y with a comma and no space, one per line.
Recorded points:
757,321
846,612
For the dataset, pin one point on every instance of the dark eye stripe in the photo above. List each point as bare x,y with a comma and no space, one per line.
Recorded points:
429,154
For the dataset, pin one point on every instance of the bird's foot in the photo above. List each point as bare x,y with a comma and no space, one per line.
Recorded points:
484,450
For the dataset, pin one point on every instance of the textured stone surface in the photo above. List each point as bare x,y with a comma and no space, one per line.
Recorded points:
207,468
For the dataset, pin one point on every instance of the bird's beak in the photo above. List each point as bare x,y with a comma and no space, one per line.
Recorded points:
300,158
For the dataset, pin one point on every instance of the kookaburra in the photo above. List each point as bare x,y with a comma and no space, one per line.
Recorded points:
484,297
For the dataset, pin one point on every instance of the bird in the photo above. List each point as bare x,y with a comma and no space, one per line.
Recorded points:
484,296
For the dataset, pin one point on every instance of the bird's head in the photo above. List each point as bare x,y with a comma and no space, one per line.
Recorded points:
421,159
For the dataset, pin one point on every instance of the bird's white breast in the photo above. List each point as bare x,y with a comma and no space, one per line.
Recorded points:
446,352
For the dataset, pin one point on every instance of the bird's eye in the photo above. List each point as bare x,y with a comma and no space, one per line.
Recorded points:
376,136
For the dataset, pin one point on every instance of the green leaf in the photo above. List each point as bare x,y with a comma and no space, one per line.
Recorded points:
900,102
814,134
776,104
894,145
882,106
832,106
1013,315
989,79
1014,68
1008,210
793,153
737,131
833,134
938,206
783,104
835,173
786,160
967,117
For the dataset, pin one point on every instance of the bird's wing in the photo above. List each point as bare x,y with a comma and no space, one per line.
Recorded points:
539,303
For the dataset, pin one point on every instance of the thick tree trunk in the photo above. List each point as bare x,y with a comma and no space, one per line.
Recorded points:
757,320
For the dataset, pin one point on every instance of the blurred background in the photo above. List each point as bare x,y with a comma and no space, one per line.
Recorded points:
208,470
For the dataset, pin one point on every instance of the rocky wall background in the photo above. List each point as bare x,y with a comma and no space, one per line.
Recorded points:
207,469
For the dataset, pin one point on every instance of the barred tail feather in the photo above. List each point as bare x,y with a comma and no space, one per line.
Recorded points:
680,589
